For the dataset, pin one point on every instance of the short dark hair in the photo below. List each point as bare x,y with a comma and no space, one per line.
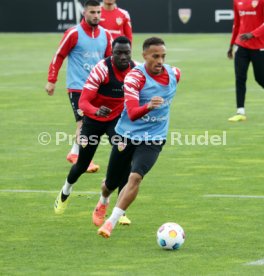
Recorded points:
152,41
93,3
122,40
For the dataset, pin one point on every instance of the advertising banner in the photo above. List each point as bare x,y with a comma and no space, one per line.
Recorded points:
148,16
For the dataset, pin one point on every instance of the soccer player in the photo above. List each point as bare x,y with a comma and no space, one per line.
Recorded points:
85,45
143,126
248,35
116,20
101,102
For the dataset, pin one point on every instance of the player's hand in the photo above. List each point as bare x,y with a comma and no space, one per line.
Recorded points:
155,102
230,52
103,111
246,36
50,87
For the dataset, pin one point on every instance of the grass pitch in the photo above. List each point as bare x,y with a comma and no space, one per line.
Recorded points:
223,234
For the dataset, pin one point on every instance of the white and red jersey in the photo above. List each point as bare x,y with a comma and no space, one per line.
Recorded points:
248,18
67,44
92,97
134,83
117,21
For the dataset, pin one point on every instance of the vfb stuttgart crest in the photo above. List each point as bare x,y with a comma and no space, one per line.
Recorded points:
119,21
184,15
254,3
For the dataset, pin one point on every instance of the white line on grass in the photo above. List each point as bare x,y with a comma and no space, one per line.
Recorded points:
259,262
235,196
44,191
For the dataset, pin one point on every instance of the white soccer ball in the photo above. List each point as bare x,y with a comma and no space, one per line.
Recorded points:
170,236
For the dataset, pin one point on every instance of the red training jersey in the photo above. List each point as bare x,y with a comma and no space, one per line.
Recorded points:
117,21
248,18
91,100
68,42
134,82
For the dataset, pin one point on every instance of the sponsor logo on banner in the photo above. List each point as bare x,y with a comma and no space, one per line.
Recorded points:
119,21
223,15
185,15
254,3
69,13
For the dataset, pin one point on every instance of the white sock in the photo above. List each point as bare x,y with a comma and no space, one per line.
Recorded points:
104,200
241,110
116,214
67,188
75,148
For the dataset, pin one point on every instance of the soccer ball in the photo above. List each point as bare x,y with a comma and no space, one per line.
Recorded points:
170,236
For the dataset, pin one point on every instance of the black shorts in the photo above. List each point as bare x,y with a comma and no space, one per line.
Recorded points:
129,157
92,130
74,99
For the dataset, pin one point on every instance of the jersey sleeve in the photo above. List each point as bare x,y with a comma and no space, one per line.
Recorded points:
259,31
236,24
133,83
128,26
68,42
177,73
108,51
98,76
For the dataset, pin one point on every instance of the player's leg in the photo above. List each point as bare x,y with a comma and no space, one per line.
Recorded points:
113,139
74,152
242,60
257,58
124,220
118,163
144,157
90,139
101,207
84,158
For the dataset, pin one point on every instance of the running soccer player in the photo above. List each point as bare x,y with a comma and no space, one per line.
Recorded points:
101,102
248,35
143,126
85,45
116,20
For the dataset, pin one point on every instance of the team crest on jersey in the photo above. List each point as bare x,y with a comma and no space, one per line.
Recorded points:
121,146
254,3
119,21
83,141
185,15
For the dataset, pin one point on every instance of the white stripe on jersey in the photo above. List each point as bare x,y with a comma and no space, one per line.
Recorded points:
97,76
125,13
114,32
131,91
111,39
62,43
177,73
132,83
90,86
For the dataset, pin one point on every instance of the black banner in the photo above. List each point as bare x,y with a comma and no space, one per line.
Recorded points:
155,16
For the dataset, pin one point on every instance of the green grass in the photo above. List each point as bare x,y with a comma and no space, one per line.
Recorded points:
223,234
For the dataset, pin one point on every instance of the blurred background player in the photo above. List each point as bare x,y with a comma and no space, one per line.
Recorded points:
116,20
85,45
248,35
101,102
149,90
